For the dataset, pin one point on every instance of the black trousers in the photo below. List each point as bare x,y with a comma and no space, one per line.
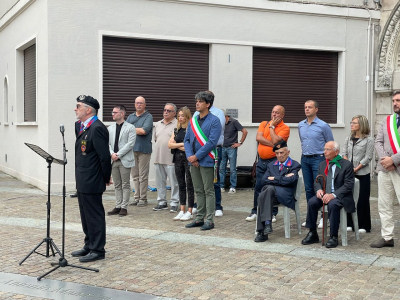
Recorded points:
334,206
266,201
182,172
93,221
363,207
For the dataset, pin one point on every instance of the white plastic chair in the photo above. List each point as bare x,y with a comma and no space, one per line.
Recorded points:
343,218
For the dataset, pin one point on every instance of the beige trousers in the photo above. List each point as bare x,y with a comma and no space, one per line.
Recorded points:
388,191
121,178
140,175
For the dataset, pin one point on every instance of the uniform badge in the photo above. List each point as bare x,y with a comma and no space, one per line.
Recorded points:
278,146
82,97
83,147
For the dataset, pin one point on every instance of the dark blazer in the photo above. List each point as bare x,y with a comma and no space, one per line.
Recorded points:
285,187
343,183
93,161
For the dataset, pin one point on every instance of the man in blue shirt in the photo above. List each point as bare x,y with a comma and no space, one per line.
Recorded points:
314,134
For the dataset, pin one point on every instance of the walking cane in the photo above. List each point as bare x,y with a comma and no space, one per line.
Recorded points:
323,207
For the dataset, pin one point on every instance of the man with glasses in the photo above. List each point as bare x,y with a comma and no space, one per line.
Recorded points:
92,172
143,122
314,134
163,160
339,183
121,142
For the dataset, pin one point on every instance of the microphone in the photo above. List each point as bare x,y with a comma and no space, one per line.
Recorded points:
62,128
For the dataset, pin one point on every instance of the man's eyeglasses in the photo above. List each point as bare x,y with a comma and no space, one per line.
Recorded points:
168,110
353,123
80,105
139,103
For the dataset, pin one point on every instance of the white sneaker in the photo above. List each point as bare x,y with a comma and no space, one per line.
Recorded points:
362,230
179,216
251,217
222,190
349,229
187,216
194,210
219,213
232,191
273,219
304,224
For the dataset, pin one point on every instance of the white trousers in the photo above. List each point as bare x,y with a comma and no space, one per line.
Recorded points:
388,190
162,172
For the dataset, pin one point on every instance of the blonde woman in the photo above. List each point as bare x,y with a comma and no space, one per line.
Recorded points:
182,169
359,149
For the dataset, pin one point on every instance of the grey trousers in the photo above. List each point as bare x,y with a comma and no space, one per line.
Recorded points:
121,177
162,172
140,175
266,201
203,183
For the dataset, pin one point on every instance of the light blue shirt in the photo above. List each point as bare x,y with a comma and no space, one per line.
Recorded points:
220,114
87,121
314,136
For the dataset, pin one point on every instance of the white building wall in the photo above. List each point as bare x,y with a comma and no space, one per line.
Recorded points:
74,56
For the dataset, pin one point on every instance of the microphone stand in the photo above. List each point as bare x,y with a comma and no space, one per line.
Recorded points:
62,262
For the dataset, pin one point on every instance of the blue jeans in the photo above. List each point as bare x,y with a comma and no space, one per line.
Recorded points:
231,154
309,167
217,188
262,165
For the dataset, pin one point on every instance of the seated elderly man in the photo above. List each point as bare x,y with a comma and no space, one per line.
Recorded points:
279,186
339,179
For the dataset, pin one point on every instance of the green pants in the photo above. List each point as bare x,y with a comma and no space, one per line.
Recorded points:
203,183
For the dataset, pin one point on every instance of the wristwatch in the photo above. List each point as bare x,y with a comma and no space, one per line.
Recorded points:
272,126
240,143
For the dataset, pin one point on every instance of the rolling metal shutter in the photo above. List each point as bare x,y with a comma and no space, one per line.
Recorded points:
30,84
160,71
291,77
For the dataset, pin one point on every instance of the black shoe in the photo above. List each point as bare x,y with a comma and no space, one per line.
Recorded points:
81,252
92,256
311,238
268,228
207,226
160,207
194,224
261,237
382,243
173,209
73,195
332,242
115,211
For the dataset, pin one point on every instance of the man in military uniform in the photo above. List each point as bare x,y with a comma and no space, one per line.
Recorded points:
92,172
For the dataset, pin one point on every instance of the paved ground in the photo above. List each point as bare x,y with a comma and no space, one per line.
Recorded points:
149,253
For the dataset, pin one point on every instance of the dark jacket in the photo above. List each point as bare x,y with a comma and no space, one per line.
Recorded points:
343,183
285,186
92,158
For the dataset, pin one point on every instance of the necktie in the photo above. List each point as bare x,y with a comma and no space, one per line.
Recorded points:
398,122
280,167
80,131
328,189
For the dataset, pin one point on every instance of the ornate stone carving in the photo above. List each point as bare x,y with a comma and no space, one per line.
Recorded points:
388,51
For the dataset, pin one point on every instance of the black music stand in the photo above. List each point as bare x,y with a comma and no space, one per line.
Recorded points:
48,240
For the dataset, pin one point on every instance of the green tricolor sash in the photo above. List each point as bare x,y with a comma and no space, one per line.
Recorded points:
393,132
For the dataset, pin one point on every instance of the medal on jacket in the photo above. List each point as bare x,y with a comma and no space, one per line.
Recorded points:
83,147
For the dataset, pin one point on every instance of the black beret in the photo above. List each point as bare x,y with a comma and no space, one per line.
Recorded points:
281,144
89,100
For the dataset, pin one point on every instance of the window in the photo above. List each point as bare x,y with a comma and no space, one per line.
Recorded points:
30,84
291,77
160,71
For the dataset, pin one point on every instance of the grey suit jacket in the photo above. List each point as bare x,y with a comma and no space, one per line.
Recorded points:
362,153
383,148
127,139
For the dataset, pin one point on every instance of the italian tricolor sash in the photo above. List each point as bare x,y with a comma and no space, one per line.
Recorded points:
393,132
202,139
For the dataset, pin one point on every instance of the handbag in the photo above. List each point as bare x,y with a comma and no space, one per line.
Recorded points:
253,170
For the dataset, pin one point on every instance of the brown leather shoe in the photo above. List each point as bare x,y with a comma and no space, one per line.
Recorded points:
115,211
382,243
123,212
